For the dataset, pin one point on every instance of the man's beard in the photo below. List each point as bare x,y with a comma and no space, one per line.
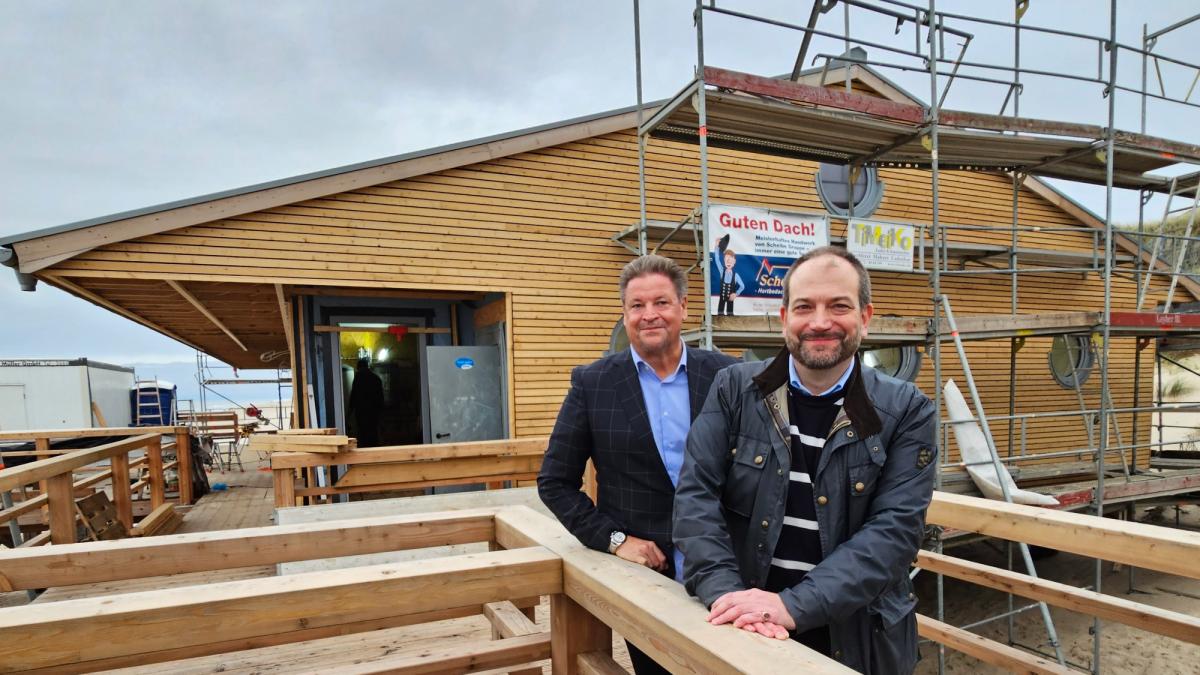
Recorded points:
847,346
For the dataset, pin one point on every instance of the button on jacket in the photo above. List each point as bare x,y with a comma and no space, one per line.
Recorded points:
872,486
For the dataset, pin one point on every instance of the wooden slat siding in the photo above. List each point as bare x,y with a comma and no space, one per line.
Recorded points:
424,231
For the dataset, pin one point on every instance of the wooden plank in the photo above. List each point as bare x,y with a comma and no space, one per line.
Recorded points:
989,651
412,485
61,497
471,656
822,96
1149,546
1146,617
17,476
599,663
653,612
38,636
408,453
298,440
508,621
161,514
201,551
468,469
100,421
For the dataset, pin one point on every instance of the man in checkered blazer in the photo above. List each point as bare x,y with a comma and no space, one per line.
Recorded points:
630,413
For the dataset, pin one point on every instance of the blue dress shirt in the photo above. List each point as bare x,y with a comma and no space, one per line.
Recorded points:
669,408
837,386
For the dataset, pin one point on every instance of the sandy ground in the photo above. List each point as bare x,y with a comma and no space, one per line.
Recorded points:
1122,649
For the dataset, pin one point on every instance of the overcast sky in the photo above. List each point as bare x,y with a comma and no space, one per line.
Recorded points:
111,106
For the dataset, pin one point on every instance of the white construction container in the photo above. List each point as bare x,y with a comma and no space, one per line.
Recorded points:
58,394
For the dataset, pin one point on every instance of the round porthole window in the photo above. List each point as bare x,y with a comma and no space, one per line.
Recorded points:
837,194
902,361
1071,359
619,339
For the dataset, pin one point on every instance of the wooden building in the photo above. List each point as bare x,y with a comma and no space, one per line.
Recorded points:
513,242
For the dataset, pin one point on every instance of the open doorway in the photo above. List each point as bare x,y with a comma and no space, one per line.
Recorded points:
381,384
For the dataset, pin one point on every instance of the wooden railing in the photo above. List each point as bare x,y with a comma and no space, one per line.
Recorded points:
1146,546
591,594
530,555
55,474
409,466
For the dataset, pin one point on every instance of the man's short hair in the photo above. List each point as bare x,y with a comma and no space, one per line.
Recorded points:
730,252
654,264
864,277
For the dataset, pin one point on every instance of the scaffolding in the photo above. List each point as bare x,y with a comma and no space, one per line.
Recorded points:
804,117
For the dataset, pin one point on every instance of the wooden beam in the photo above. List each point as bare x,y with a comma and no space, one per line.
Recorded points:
989,651
88,433
508,621
284,482
412,485
154,465
574,631
34,503
68,632
285,315
652,611
17,476
599,663
471,656
1146,617
409,453
122,496
61,497
183,455
468,469
204,310
221,650
61,282
1149,546
416,294
202,551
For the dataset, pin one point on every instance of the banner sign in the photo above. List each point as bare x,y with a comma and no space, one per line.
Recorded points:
881,246
752,251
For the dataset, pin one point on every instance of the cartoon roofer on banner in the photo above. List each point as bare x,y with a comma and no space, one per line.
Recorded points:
731,284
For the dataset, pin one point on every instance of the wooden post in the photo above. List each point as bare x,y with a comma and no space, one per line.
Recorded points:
158,493
285,488
183,452
122,498
574,631
42,448
60,495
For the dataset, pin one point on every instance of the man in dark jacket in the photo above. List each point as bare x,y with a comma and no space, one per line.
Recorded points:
802,499
629,413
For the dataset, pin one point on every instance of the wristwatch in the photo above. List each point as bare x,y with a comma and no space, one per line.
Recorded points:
615,540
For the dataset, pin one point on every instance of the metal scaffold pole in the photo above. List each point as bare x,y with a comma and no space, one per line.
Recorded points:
641,138
1106,321
935,279
706,341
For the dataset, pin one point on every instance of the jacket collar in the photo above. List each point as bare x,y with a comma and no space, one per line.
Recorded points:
857,403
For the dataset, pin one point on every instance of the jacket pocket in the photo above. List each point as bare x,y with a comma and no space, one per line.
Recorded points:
893,624
745,473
